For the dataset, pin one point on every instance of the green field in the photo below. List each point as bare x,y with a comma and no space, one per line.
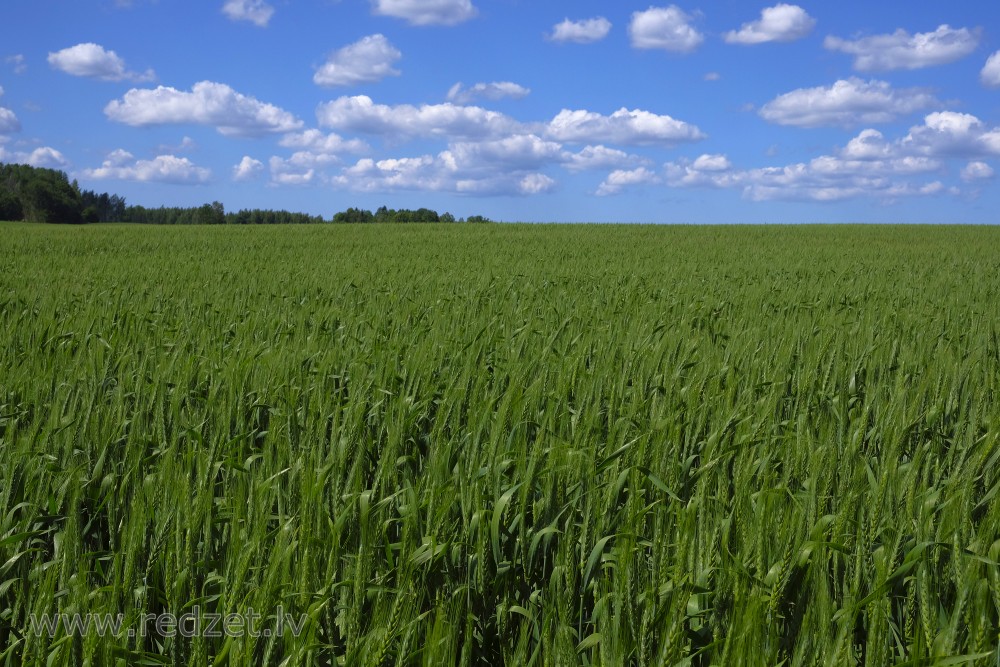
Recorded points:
502,444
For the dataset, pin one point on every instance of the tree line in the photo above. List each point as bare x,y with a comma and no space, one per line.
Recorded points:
35,194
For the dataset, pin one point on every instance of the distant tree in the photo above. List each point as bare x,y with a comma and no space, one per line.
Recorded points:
38,195
210,214
447,217
10,206
478,219
49,197
108,207
426,215
354,215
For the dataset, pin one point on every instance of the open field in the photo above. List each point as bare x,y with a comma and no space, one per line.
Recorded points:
493,444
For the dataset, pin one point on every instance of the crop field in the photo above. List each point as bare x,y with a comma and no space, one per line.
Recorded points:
499,444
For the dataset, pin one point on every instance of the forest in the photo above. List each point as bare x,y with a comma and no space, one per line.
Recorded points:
35,194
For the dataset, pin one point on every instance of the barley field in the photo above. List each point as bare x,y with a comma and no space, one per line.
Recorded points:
501,444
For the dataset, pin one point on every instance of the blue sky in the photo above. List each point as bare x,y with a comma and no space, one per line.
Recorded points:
539,111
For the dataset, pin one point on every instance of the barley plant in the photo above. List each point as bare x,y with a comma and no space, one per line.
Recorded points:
502,444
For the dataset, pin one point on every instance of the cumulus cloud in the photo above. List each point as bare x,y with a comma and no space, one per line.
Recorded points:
627,127
44,156
316,151
321,142
535,184
497,90
845,103
977,171
952,134
781,23
869,145
712,163
990,74
361,114
8,120
367,175
517,152
122,166
601,157
211,104
95,62
901,50
869,166
620,179
257,12
291,173
942,135
586,31
667,28
367,60
302,168
826,178
248,169
426,12
510,166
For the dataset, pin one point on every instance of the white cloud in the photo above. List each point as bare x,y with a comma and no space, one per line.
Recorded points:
8,120
497,90
367,60
17,63
535,184
825,178
869,145
451,121
122,166
509,165
712,163
463,169
427,12
95,62
44,156
321,142
990,74
248,169
367,175
627,127
317,150
977,171
712,76
514,153
257,12
846,102
601,157
286,172
667,28
869,166
302,168
781,23
711,171
302,161
211,104
952,134
620,179
586,31
901,50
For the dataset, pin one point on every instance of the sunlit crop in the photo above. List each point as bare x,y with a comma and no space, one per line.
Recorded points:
528,445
